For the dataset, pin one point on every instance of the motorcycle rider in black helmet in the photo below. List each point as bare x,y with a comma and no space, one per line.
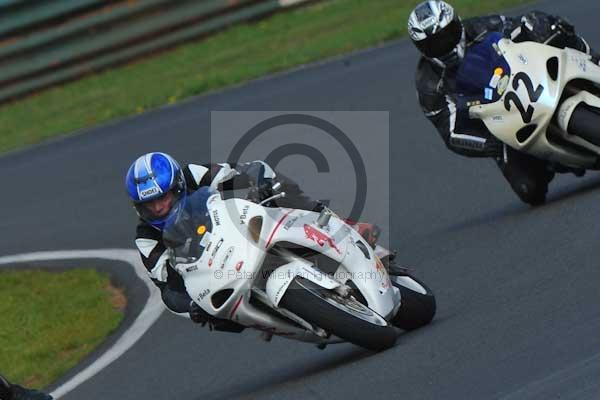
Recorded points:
444,40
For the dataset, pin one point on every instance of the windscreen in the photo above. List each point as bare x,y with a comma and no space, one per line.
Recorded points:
184,233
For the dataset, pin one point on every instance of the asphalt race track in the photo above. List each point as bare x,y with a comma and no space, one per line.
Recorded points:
517,288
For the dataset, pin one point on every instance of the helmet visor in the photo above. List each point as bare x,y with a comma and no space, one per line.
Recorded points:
443,42
160,209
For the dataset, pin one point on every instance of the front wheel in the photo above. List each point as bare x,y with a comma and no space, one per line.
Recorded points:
417,303
344,317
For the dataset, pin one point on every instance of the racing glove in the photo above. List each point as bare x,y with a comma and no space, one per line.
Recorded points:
257,171
264,190
563,26
540,27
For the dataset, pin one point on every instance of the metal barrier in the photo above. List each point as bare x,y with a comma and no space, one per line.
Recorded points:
45,42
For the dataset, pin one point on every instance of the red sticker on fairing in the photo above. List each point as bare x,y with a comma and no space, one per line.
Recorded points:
238,266
319,237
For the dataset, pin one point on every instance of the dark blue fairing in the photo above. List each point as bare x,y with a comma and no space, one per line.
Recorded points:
476,74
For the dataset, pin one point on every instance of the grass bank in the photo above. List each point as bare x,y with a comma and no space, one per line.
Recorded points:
231,57
50,321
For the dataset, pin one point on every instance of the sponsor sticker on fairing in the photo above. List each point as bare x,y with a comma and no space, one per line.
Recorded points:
239,266
227,257
523,59
496,77
205,241
488,94
213,198
320,238
191,268
244,214
502,85
290,222
216,218
203,294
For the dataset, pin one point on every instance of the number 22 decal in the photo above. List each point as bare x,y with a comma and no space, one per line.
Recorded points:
513,97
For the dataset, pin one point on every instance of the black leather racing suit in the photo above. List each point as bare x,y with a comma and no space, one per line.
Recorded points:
224,177
438,97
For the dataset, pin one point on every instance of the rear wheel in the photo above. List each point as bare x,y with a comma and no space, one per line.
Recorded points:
344,317
417,306
585,123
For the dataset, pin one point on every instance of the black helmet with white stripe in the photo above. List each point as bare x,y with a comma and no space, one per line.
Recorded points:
437,32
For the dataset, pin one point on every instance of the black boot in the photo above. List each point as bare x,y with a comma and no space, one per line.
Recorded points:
528,176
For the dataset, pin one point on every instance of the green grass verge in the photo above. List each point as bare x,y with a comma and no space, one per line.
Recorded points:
231,57
50,321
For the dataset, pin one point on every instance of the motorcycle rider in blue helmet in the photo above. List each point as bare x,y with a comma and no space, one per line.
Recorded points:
158,187
445,42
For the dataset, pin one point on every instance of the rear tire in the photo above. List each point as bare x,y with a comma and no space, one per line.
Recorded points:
416,309
313,304
585,123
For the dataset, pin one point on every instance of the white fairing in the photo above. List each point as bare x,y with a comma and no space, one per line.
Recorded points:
410,283
529,60
368,274
233,259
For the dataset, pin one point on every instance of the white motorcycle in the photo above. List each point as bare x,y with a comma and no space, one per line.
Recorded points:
293,273
549,105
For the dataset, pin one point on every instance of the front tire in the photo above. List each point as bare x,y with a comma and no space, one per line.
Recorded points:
417,306
343,317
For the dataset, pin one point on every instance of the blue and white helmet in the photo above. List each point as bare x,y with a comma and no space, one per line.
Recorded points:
151,177
438,33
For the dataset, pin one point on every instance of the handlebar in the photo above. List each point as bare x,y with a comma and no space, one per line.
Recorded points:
274,197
